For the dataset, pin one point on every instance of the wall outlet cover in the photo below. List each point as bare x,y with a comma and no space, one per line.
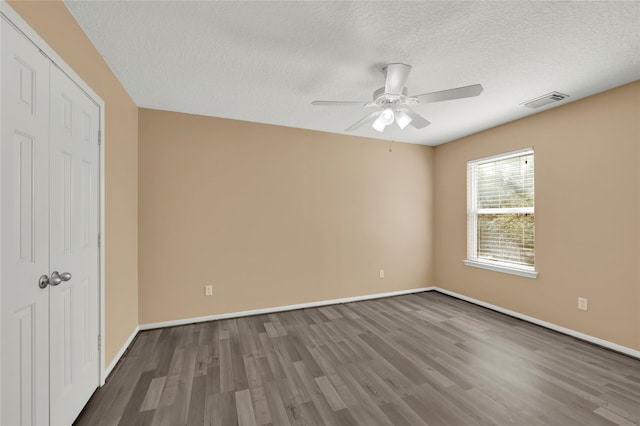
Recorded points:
583,303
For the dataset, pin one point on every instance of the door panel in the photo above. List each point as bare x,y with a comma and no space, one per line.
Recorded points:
49,183
24,230
74,247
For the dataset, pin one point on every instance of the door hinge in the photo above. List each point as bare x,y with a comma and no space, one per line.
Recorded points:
99,137
99,240
99,342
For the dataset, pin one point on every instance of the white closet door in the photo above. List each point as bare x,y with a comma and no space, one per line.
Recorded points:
74,222
24,231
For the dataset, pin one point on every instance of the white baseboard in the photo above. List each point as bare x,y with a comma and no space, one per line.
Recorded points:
173,323
601,342
121,352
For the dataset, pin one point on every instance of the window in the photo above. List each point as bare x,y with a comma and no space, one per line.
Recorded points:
500,213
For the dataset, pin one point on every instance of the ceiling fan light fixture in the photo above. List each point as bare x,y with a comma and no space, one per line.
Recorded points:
403,119
379,124
387,116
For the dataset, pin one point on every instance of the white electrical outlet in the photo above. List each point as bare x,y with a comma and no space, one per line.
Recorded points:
381,273
208,290
582,303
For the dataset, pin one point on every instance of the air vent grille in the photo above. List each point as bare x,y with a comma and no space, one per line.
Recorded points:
547,99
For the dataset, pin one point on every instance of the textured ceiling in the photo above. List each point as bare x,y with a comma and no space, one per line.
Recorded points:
266,61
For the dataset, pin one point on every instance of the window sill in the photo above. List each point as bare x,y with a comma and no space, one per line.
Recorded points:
528,273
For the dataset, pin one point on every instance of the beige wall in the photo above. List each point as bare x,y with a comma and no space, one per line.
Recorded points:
274,216
587,157
56,25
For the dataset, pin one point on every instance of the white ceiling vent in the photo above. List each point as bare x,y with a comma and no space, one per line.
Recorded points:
543,100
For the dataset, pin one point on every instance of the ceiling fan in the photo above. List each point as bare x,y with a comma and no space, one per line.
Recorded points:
393,103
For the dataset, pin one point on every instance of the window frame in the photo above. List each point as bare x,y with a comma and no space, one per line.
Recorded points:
472,218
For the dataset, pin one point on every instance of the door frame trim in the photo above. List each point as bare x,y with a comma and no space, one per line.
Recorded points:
11,16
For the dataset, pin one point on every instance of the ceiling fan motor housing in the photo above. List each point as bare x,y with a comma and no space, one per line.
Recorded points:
382,99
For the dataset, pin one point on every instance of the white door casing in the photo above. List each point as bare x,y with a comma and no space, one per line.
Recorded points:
49,352
24,230
74,197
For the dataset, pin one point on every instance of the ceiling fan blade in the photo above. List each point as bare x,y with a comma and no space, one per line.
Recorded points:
339,103
417,121
396,78
366,120
450,94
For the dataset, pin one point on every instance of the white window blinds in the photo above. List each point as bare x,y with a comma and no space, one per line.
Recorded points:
501,209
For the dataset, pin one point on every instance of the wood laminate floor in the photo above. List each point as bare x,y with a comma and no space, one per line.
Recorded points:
422,359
